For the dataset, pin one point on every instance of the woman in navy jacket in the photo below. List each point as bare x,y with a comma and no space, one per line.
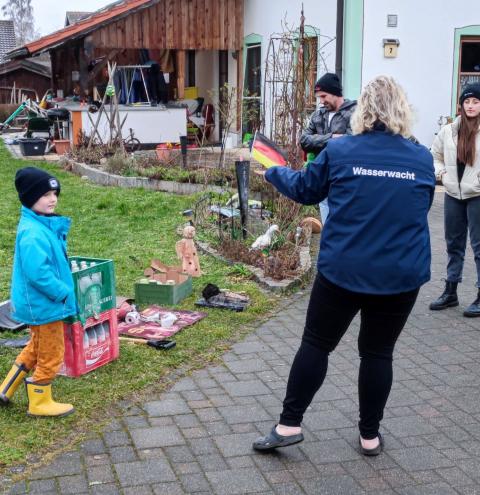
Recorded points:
374,254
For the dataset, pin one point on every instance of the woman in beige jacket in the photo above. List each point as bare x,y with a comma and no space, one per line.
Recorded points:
456,151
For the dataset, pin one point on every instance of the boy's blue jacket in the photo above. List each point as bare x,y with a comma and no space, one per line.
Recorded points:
380,187
42,284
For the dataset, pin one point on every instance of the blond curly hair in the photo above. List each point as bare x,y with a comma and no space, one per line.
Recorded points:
383,101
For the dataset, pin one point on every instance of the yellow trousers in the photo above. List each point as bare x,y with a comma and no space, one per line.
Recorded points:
44,351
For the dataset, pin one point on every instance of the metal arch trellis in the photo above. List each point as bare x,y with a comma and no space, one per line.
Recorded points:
284,108
278,84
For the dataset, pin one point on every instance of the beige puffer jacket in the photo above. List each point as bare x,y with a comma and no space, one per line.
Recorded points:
444,151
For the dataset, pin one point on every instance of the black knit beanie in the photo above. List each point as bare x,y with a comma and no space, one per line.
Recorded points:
470,91
330,83
32,183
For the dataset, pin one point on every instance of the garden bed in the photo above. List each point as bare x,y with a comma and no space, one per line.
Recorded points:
263,274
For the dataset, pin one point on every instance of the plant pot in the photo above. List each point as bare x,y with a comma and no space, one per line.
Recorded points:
62,146
163,154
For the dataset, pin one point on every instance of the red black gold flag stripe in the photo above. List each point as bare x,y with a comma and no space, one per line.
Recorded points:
267,152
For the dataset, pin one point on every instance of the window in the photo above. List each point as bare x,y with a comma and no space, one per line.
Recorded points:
469,66
252,89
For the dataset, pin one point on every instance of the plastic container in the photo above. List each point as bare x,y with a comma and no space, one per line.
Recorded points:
94,287
32,146
91,346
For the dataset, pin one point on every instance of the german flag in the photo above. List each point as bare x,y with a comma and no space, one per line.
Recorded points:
267,152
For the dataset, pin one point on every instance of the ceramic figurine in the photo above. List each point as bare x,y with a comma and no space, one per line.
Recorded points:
187,252
265,240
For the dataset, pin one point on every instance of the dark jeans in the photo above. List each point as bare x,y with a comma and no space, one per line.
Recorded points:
461,217
330,312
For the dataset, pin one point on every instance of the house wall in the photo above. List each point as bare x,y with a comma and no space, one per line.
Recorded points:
427,59
263,19
425,62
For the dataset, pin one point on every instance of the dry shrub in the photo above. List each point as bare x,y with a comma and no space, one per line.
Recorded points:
279,264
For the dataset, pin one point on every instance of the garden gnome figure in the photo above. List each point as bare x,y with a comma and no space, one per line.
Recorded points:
187,252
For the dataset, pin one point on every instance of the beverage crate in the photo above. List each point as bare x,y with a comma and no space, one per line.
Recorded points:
94,288
91,346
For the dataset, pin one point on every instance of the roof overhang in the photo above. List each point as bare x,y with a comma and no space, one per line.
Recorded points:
80,29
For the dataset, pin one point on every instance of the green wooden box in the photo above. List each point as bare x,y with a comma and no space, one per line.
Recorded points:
152,292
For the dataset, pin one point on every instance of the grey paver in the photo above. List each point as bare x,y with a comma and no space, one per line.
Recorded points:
157,436
420,458
167,407
42,486
334,485
246,389
244,414
144,472
330,451
237,481
72,485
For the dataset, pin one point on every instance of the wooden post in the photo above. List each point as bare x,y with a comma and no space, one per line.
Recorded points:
180,74
83,69
239,90
54,66
242,170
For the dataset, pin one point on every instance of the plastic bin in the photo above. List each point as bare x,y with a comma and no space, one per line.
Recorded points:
82,356
94,288
32,146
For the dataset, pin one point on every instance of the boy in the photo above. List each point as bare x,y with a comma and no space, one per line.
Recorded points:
42,292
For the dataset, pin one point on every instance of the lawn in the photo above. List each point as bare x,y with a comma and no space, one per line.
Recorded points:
131,227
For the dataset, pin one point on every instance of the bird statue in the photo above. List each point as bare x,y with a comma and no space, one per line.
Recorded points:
265,240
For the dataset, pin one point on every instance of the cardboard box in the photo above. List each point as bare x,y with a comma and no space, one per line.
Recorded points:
163,285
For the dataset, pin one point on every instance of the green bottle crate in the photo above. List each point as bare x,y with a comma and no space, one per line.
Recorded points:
95,296
152,293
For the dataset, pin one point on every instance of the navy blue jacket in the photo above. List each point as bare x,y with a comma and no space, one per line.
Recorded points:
380,187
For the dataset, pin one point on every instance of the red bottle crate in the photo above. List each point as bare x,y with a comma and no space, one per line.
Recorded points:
80,359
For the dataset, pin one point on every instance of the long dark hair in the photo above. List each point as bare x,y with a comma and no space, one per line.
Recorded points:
467,135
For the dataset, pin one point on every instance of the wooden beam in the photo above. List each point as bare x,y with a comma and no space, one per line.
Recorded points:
180,74
239,89
83,69
96,70
54,63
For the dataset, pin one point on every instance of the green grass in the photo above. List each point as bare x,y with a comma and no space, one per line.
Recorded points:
130,227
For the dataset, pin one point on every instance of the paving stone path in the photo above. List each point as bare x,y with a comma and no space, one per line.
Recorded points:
196,438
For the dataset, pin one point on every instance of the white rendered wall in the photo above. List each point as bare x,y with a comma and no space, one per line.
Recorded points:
424,65
265,17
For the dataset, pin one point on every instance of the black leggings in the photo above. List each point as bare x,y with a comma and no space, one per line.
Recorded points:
330,312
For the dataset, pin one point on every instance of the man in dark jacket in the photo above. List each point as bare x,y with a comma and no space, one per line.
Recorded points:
330,121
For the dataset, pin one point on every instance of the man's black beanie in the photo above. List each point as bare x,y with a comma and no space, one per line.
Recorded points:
32,183
330,83
470,91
